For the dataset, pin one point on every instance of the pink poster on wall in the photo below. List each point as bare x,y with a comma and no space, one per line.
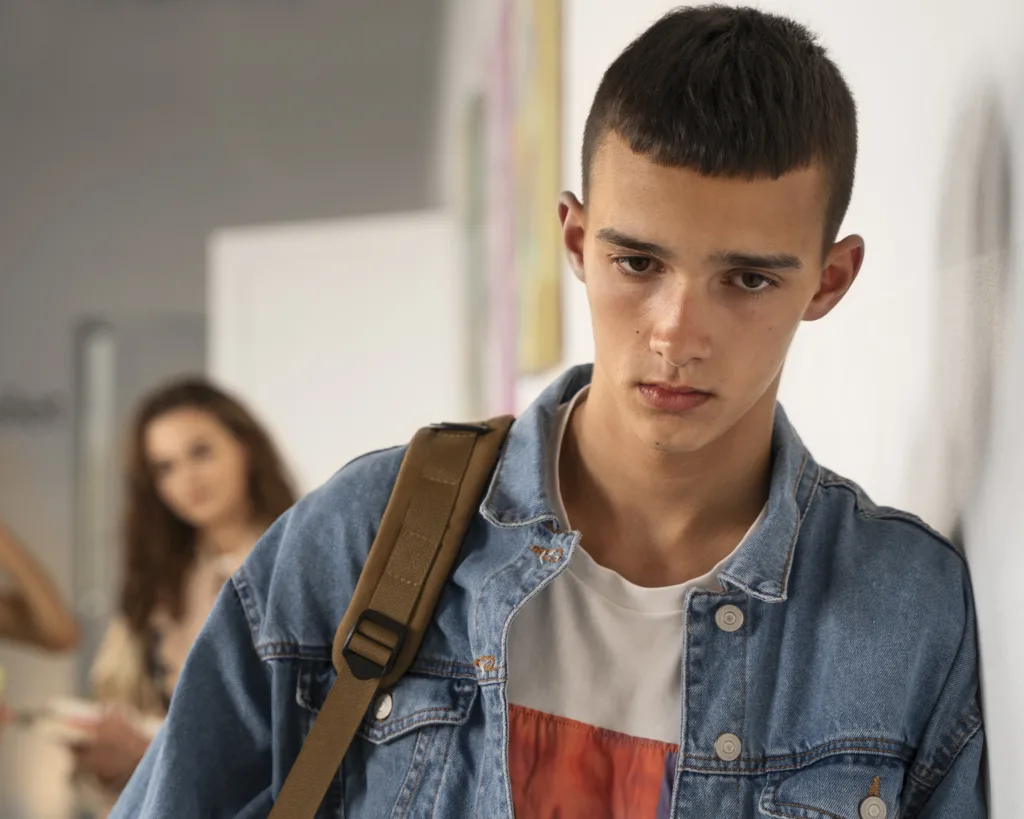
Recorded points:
511,174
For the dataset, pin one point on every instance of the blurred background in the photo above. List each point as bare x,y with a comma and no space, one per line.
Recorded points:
344,212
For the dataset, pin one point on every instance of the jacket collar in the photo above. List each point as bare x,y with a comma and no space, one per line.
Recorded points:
521,493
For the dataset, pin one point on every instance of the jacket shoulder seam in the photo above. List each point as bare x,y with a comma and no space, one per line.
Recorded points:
868,510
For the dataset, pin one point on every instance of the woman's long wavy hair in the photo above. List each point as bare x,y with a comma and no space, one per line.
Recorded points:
160,546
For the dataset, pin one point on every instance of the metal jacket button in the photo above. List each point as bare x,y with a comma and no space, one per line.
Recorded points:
873,808
729,618
385,705
728,747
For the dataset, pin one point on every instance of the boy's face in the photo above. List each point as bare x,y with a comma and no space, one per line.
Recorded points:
698,283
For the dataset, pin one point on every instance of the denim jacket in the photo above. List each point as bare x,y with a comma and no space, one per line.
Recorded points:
852,684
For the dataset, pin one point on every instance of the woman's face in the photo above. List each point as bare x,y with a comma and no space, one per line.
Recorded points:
200,469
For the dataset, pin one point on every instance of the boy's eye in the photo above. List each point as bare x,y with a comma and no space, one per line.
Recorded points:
754,282
635,265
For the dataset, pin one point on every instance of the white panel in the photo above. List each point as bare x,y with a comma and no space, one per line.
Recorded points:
343,336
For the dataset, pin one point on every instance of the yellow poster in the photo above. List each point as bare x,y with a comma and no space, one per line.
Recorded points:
537,148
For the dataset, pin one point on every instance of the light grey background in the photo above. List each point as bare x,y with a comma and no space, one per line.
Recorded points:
131,129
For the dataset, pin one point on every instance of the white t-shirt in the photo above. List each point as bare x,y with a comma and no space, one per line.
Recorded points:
596,649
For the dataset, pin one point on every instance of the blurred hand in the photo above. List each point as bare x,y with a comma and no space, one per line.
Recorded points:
6,717
112,753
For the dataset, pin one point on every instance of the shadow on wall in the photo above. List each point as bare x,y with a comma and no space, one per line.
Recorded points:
969,463
973,286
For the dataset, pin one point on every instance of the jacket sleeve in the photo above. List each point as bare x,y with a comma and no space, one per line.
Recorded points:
213,756
946,780
961,793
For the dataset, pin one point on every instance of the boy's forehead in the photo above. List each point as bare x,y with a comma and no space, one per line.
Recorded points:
631,193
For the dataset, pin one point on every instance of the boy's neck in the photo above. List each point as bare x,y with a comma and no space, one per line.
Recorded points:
661,518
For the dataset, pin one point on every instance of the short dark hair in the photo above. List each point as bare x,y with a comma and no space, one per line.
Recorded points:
732,92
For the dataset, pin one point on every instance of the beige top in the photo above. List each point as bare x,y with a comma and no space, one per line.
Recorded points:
175,637
122,671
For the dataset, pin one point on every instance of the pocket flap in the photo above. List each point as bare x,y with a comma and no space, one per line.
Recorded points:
417,700
837,789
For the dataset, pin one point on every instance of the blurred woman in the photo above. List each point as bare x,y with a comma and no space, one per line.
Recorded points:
204,482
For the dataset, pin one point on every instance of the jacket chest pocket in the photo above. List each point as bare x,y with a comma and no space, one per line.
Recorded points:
404,746
861,787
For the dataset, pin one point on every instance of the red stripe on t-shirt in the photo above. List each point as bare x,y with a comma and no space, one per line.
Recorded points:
563,769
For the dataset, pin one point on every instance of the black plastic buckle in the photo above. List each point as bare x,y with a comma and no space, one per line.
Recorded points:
448,426
362,668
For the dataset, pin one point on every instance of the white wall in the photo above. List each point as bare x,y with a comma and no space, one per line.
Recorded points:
889,389
344,336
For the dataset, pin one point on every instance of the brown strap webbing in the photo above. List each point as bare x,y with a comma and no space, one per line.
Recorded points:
435,497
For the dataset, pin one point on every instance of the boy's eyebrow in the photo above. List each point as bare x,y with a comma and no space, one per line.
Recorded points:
768,261
614,237
730,258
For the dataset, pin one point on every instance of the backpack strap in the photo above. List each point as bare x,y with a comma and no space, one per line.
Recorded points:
436,495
